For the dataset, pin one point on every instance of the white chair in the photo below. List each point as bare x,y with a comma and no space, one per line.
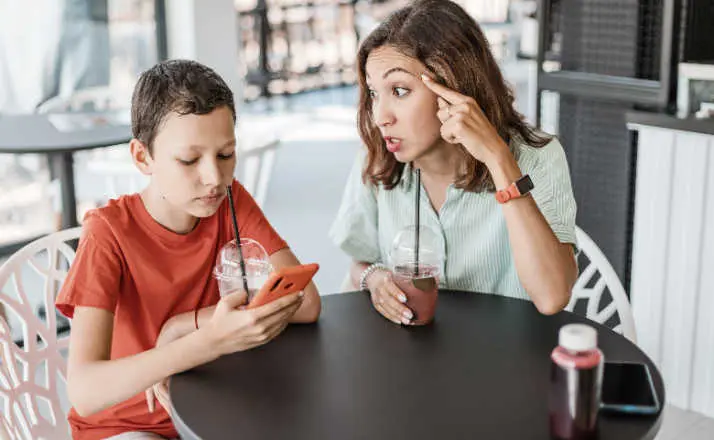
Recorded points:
99,98
34,370
255,165
591,290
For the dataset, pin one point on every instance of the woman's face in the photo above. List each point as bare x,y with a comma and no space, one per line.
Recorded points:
403,108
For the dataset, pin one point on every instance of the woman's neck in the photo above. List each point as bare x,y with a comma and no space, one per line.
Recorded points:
166,215
440,163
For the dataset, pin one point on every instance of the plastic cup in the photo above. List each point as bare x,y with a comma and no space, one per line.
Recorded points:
418,276
228,272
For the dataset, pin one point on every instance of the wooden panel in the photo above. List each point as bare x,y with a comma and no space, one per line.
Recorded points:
672,287
683,264
703,371
651,226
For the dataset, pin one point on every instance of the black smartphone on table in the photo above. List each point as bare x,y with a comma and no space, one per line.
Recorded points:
627,387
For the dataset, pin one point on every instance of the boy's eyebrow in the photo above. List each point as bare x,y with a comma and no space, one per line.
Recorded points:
201,147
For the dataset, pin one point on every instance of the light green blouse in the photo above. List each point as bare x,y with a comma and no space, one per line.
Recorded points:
471,225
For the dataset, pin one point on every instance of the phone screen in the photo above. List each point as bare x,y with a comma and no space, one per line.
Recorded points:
627,384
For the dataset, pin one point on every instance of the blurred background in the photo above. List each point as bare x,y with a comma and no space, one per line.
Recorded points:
627,85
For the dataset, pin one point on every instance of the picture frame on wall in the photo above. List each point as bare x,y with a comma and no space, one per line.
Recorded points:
695,90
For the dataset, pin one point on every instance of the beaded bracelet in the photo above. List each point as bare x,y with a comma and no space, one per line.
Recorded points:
367,272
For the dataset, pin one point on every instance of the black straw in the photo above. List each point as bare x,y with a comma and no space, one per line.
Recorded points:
416,222
240,249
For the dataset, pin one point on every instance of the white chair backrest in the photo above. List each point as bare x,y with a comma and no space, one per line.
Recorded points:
32,355
255,166
595,280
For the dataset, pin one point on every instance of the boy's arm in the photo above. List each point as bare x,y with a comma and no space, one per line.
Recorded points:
309,311
228,330
89,364
183,324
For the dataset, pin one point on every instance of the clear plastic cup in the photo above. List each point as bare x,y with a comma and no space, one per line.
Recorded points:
419,280
228,272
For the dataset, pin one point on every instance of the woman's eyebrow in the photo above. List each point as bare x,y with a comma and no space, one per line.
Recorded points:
396,69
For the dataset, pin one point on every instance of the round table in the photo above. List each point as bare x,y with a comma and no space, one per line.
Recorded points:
35,133
481,370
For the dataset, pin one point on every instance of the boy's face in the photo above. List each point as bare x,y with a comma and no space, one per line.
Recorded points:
193,160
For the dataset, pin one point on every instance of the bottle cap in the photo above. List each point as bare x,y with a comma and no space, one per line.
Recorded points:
577,337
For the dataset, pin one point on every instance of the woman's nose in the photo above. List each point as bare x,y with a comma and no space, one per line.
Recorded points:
383,114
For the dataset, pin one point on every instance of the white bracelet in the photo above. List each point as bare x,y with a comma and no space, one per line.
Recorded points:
367,272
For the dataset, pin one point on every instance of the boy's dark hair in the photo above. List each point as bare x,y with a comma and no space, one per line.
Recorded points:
181,86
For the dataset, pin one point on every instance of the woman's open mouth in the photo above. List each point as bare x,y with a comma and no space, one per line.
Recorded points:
393,144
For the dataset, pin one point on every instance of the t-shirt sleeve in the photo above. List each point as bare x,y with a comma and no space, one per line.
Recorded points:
553,191
252,223
355,229
95,275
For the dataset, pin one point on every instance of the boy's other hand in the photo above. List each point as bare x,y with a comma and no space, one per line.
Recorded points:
160,393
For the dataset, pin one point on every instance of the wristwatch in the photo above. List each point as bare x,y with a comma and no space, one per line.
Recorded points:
519,188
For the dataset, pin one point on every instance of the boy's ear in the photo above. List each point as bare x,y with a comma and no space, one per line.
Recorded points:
141,156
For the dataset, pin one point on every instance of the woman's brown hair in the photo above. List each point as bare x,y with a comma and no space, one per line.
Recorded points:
449,42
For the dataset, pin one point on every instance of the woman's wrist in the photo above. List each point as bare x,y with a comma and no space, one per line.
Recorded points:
504,169
376,277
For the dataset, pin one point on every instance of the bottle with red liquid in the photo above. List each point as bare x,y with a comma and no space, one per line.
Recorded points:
575,384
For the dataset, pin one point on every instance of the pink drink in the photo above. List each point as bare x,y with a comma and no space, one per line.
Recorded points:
421,298
575,384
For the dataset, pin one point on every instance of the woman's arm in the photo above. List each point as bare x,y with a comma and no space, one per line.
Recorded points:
546,267
356,269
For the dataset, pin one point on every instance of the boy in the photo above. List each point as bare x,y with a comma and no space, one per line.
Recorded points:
141,293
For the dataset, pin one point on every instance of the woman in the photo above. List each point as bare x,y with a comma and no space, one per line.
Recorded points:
432,98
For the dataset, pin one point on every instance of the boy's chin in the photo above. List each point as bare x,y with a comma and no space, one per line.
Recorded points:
202,211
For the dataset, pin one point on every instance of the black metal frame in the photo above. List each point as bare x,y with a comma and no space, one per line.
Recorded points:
162,47
635,91
630,92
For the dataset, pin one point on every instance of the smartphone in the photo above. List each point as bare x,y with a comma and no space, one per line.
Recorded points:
284,282
627,387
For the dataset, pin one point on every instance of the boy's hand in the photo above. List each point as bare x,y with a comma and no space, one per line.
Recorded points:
233,328
160,392
387,298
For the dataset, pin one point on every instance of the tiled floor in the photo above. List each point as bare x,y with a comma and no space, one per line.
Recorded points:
679,424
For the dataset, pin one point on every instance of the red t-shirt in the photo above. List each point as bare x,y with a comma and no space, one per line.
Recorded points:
143,273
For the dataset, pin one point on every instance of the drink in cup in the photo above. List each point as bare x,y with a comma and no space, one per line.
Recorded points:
228,271
418,275
421,290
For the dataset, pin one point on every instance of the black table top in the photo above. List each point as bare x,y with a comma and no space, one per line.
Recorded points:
34,133
481,370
